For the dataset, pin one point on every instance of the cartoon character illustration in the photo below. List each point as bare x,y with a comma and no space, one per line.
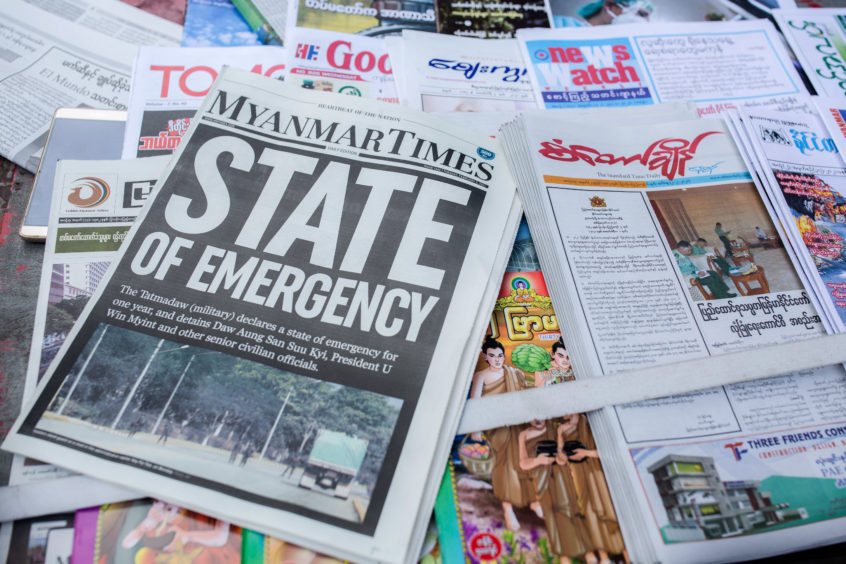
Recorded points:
168,531
511,485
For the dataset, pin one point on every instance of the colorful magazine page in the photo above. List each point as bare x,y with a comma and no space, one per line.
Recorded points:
30,540
806,177
216,23
153,531
374,18
566,13
529,493
261,549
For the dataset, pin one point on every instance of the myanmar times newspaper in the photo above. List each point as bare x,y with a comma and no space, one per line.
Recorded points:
282,341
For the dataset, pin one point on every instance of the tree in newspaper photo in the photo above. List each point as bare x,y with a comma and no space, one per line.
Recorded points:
289,349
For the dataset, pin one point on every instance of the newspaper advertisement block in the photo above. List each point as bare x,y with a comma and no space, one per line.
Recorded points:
717,65
169,84
293,323
753,469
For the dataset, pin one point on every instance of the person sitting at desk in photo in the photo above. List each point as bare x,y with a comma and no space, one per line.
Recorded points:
759,233
700,247
709,278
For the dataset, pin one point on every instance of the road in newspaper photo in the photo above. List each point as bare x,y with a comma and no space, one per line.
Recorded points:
198,412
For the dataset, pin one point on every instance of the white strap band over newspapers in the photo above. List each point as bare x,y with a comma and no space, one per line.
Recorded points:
646,383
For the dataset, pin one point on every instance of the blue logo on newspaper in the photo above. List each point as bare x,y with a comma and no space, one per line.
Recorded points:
485,154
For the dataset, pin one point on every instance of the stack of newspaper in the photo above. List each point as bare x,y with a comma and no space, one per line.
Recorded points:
644,231
311,259
285,338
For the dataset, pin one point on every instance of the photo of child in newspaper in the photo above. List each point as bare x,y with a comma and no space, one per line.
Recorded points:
256,430
712,235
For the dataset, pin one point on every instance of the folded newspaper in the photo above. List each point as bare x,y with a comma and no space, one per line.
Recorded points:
283,339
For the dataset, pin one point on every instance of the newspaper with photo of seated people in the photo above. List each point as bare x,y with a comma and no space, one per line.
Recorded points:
293,356
644,232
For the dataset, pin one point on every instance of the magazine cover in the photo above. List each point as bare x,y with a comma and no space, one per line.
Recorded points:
374,18
807,180
540,497
245,361
532,493
148,531
489,20
215,23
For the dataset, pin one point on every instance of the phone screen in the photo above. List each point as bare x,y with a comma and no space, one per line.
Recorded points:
76,133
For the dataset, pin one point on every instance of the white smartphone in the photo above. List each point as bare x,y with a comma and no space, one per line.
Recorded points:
75,133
